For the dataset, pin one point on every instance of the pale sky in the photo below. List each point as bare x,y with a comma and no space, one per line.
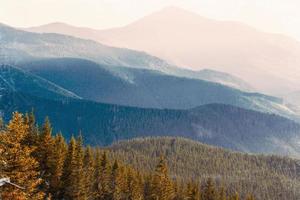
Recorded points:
281,16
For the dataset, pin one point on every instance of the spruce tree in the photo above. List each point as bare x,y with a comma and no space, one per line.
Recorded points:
222,195
79,187
250,197
89,170
116,182
56,162
19,166
235,196
44,153
209,192
33,133
102,177
161,187
192,192
68,176
134,189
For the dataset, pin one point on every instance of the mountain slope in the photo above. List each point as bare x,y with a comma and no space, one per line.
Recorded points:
13,79
269,177
145,88
236,128
187,39
17,45
72,47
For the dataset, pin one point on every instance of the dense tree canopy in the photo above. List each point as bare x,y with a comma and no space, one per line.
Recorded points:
48,168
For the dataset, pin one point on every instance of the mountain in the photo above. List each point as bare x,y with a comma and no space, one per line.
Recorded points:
236,128
18,46
190,40
14,79
78,48
222,78
268,177
147,88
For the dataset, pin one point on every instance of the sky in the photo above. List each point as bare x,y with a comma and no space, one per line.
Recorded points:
268,15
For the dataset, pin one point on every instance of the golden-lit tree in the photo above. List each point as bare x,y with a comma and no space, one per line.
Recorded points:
161,186
19,166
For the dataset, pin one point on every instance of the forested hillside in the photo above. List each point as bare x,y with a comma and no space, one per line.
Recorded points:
45,167
102,124
268,177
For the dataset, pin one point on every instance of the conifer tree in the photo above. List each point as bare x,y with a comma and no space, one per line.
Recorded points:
102,177
45,150
250,197
33,133
105,176
235,196
222,195
134,190
79,187
148,187
161,187
68,176
192,192
19,166
56,162
209,192
117,182
89,170
97,172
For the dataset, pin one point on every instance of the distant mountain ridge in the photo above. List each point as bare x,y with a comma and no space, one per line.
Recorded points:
190,40
18,46
147,88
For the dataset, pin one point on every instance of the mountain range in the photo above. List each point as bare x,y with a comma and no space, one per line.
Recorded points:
112,93
147,88
192,41
19,47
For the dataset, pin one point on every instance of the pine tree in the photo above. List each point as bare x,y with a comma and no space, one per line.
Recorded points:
45,150
79,187
250,197
134,190
56,162
192,192
19,166
161,187
89,170
102,177
97,172
68,176
209,192
117,182
105,176
235,196
33,133
222,195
